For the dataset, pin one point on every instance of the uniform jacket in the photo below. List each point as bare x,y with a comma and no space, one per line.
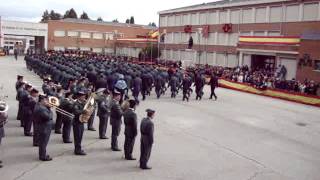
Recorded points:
130,121
147,129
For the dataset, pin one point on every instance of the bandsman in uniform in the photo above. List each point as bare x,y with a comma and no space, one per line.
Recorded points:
213,84
28,111
147,130
67,105
23,100
115,119
130,122
78,127
43,116
103,112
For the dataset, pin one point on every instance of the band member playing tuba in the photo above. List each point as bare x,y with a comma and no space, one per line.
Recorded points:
78,126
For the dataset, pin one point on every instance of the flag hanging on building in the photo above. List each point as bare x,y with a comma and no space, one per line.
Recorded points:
205,31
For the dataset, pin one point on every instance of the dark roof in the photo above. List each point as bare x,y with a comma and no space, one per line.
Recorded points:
86,21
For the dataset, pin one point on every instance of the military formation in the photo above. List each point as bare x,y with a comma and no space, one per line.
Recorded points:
116,85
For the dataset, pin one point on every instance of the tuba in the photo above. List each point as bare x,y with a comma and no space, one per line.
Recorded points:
88,109
4,107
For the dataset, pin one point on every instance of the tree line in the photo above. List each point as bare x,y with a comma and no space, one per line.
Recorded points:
71,13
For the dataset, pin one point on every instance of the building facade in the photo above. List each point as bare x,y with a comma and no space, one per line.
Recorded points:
23,35
95,36
256,33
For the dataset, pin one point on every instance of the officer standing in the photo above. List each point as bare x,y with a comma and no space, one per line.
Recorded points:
28,111
78,127
43,116
146,129
130,121
103,112
115,119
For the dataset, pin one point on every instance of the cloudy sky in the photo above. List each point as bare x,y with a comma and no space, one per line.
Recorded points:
144,11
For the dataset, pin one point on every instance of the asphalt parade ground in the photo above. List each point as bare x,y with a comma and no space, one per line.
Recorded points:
238,137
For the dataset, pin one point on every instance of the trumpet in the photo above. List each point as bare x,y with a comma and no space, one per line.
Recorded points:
54,102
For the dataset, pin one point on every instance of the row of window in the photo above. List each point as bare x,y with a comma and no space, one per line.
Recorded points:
89,35
133,52
214,38
288,13
216,59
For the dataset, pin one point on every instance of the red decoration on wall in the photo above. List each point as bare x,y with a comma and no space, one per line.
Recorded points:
188,29
227,28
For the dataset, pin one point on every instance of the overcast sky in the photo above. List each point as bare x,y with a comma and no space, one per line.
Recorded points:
144,11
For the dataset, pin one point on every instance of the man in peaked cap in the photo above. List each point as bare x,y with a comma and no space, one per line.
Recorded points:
146,129
130,121
115,119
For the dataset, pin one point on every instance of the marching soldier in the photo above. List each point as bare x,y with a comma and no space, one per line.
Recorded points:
43,116
115,119
78,127
146,129
213,84
130,121
66,105
199,83
186,84
103,112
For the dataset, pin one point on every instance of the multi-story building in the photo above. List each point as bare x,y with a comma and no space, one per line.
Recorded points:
96,36
256,33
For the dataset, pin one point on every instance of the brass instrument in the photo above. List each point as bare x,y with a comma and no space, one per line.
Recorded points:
54,102
88,108
125,105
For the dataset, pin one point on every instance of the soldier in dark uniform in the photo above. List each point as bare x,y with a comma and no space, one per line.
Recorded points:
199,83
103,112
23,100
158,85
146,129
58,123
43,116
19,82
173,84
136,88
130,122
66,105
78,127
115,119
213,84
20,90
186,84
28,111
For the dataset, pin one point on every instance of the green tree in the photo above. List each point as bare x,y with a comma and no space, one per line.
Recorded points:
131,20
151,51
128,21
70,14
152,24
45,17
115,21
54,15
100,19
84,15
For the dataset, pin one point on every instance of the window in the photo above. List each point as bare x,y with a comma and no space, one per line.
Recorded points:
235,16
222,38
223,17
184,38
109,36
203,18
212,38
178,20
261,15
310,12
259,33
163,21
73,33
212,18
85,35
245,33
194,19
171,20
58,48
59,33
232,60
221,59
233,39
276,14
97,36
185,19
317,65
97,50
274,33
177,38
247,16
292,13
